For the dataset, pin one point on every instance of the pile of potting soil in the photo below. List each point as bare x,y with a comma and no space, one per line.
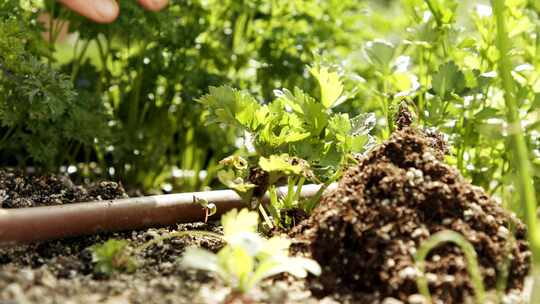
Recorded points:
365,233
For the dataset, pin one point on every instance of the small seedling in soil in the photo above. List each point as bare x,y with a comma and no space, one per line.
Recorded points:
209,208
112,256
248,258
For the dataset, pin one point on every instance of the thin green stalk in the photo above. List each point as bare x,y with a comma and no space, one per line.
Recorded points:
78,58
422,79
386,106
299,186
435,12
265,215
520,155
520,151
470,255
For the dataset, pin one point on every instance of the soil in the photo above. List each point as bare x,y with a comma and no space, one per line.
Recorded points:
63,271
18,190
365,233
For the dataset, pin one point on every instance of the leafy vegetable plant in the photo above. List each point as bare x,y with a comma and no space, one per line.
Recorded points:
43,120
248,258
296,136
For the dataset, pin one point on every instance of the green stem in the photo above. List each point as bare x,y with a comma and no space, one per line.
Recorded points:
470,255
386,106
520,155
520,151
78,58
422,79
436,14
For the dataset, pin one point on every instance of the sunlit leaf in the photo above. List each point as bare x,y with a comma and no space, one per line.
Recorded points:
330,84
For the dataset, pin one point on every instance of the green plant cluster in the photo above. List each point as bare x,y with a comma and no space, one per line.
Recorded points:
146,69
41,113
295,136
445,67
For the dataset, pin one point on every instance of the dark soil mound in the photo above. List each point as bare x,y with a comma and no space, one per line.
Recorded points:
18,190
365,233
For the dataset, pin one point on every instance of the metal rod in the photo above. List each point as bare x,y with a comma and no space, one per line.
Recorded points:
54,222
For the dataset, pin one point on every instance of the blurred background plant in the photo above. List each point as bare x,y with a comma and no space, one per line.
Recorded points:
121,97
132,84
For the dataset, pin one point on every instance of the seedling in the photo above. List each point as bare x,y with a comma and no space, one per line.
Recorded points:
112,256
248,258
209,208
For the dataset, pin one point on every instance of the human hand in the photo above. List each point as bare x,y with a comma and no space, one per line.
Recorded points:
106,11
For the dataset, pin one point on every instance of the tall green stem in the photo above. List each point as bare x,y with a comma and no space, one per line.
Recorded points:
520,153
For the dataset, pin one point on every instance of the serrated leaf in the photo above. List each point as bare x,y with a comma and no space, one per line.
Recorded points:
359,143
448,79
312,115
362,124
340,126
380,53
330,85
279,163
112,256
229,178
230,106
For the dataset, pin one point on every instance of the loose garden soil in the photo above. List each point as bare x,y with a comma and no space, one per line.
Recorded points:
364,235
62,271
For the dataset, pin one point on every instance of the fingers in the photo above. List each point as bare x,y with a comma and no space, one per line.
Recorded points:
100,11
153,5
106,11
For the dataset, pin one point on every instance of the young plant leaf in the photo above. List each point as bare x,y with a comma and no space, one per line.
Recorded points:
449,78
330,84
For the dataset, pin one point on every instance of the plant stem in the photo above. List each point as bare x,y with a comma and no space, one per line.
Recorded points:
78,58
470,255
435,12
520,155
